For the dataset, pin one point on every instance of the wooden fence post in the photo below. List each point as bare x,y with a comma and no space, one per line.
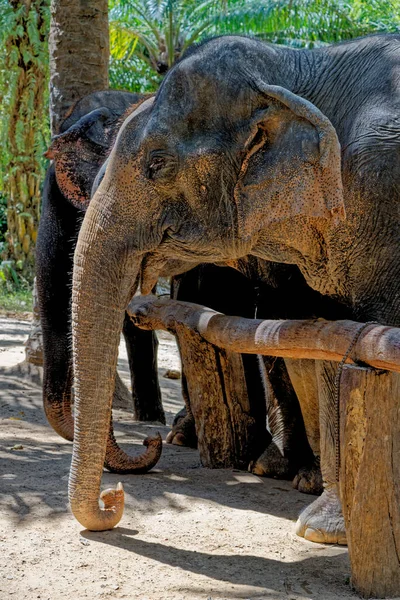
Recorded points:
370,478
219,402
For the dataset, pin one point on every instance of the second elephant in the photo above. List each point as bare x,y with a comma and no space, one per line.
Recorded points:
78,152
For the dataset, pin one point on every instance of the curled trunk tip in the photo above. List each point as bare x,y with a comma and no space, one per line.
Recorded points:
117,461
95,518
113,499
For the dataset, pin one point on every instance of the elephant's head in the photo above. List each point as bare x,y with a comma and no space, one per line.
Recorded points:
221,164
85,141
79,153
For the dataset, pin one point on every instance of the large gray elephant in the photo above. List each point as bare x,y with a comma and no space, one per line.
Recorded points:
239,155
79,155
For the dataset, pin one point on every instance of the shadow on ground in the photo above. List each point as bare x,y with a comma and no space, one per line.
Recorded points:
246,569
187,532
29,467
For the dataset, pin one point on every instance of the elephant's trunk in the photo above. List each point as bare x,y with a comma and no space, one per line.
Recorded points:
103,283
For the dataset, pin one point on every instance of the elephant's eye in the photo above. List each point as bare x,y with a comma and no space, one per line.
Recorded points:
160,166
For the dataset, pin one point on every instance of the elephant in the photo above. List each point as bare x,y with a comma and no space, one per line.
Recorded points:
248,149
78,152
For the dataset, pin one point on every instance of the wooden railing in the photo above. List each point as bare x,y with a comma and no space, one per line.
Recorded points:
369,410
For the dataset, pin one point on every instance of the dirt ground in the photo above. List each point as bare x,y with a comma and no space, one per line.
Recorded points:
188,533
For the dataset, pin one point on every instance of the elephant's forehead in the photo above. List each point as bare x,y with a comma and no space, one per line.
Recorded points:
194,95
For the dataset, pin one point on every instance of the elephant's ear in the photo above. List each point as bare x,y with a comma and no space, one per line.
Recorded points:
79,152
291,167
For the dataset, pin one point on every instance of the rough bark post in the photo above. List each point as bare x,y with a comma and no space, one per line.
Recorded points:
302,376
219,402
370,478
79,53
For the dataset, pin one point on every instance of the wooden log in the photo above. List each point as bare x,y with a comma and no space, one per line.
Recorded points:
225,428
370,478
377,346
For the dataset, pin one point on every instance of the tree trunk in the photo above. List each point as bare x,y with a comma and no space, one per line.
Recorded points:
79,53
303,377
25,105
225,428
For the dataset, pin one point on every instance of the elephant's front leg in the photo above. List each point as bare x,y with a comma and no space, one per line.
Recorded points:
289,450
141,348
183,432
323,521
304,380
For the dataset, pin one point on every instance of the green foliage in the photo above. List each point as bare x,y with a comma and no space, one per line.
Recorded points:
24,123
132,74
15,290
15,300
23,54
376,15
305,23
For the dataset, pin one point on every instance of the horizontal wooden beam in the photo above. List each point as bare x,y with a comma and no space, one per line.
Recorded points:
377,345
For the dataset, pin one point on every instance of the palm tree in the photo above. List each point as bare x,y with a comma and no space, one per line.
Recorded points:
157,31
152,34
79,53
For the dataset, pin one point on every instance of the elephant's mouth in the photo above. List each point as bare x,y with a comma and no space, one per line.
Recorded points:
150,270
178,252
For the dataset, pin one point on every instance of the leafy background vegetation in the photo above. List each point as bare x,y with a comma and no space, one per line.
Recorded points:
147,37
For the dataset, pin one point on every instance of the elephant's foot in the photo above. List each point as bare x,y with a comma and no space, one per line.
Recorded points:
152,411
272,463
309,480
322,521
183,432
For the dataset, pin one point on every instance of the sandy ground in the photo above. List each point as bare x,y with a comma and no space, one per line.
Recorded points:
188,533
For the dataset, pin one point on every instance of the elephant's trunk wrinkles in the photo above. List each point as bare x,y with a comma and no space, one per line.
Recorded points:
102,286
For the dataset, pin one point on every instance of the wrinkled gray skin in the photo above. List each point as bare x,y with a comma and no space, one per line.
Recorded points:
226,164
